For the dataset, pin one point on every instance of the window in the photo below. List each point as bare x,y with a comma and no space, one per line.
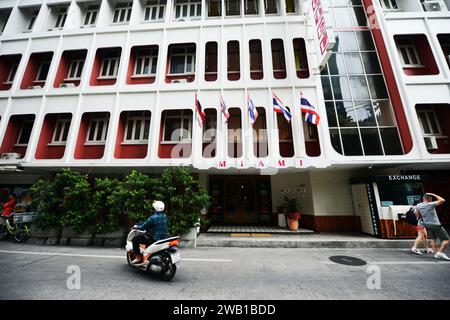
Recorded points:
25,132
270,6
389,4
43,71
98,129
301,62
182,60
211,61
122,12
110,65
91,16
290,6
137,127
233,7
429,122
75,69
408,53
32,20
61,130
278,59
146,62
251,6
177,126
256,62
233,60
444,40
61,18
12,73
4,17
188,9
214,8
154,10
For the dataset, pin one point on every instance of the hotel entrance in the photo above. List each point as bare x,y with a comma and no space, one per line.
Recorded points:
240,200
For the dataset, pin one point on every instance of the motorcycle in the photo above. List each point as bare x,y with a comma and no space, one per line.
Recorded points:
159,258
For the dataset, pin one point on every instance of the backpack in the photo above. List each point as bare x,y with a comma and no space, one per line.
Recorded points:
411,217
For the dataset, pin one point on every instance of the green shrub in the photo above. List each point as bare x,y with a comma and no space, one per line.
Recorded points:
108,212
183,196
63,201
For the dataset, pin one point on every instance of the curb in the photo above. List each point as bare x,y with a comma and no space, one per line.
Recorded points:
380,244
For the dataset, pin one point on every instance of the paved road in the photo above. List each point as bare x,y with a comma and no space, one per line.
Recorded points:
40,272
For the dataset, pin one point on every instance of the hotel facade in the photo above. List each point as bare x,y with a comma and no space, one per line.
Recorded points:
107,86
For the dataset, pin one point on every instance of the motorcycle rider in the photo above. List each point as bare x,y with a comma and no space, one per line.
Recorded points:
155,229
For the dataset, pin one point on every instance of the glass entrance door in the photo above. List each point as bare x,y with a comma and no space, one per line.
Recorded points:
240,202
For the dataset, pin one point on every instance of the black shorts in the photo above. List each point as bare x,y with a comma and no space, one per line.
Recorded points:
435,231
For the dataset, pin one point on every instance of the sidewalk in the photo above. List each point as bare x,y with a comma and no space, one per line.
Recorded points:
321,240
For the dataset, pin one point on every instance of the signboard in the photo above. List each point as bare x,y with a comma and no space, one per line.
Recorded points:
325,43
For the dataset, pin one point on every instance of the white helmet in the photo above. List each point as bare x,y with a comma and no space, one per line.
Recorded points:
158,206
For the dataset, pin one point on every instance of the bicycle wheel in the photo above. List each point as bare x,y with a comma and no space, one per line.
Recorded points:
21,233
3,231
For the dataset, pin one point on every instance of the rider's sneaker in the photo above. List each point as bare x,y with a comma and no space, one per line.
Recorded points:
416,251
136,261
442,255
429,250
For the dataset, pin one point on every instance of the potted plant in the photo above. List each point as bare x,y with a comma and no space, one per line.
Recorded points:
292,213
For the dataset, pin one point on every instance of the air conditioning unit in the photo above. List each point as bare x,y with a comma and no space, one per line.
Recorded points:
10,156
179,81
34,87
431,143
67,85
435,5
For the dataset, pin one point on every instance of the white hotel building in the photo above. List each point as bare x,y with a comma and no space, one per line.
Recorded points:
107,86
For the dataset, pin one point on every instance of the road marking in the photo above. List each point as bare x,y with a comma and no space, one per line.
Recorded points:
395,262
54,254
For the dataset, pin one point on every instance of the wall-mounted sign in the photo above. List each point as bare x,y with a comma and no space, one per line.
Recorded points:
324,41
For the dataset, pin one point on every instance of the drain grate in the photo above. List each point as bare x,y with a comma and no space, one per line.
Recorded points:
348,261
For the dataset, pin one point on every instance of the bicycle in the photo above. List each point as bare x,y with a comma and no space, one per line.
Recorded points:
17,225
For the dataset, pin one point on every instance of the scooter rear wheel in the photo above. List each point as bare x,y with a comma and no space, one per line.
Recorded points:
169,273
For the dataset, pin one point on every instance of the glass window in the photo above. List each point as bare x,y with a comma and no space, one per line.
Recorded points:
43,71
331,114
211,61
182,60
336,140
98,129
397,193
32,20
256,62
278,59
146,62
351,142
371,64
270,6
291,6
359,88
91,16
12,73
371,142
214,8
110,64
75,69
25,132
383,112
391,141
61,16
61,130
341,88
365,41
377,87
336,64
251,6
301,62
154,10
178,126
326,86
346,41
233,59
122,12
346,114
188,9
354,63
137,127
365,114
233,7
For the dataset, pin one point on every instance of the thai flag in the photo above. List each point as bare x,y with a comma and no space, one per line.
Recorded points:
253,113
279,107
310,113
200,113
224,108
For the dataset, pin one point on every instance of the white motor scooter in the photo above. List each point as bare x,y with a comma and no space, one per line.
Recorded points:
159,258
